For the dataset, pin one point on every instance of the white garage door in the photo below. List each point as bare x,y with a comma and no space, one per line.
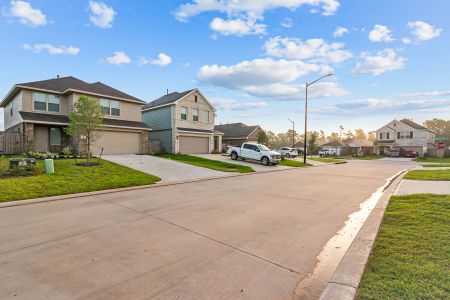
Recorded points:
194,145
114,142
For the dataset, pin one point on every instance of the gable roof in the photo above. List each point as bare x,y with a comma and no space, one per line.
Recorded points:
236,130
167,99
359,142
334,144
68,84
413,124
299,144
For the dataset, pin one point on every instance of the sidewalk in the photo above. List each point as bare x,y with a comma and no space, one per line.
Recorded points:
407,187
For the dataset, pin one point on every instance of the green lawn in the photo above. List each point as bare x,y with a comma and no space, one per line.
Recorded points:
207,163
411,255
69,179
435,165
432,159
439,175
293,163
326,160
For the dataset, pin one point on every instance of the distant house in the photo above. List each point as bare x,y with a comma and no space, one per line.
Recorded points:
338,147
238,133
182,123
404,135
359,146
349,147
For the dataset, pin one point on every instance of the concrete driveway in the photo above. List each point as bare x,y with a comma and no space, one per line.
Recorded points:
167,170
254,164
255,236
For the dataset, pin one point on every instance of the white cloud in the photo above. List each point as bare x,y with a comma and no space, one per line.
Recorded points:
287,23
235,105
406,41
295,91
162,60
340,31
26,14
249,8
423,31
237,27
257,72
316,50
101,15
379,63
380,33
53,50
119,58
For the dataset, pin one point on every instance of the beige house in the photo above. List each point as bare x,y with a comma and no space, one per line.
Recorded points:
182,123
404,135
38,112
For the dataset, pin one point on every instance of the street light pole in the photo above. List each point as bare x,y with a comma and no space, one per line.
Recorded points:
306,112
293,132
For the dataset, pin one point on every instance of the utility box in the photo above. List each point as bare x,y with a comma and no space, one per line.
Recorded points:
49,168
20,162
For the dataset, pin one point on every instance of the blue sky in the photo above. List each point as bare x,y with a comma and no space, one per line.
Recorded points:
390,59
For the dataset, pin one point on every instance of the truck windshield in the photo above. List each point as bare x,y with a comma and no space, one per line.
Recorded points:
263,148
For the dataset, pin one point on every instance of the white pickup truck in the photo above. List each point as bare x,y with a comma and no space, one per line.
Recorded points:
327,152
253,151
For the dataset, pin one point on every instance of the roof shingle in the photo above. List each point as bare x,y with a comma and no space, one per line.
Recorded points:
235,130
166,99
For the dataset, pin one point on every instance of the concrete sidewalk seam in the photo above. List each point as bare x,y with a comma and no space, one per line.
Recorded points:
210,238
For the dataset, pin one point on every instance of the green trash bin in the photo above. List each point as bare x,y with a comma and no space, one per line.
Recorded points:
49,168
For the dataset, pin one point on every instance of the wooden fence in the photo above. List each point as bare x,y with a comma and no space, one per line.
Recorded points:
10,143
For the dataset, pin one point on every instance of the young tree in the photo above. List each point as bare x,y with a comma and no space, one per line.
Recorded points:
440,126
85,118
312,141
262,138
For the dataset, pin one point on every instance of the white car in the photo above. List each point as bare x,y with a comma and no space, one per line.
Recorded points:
287,152
258,152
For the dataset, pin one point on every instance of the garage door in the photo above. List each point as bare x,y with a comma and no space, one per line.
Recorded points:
194,145
114,142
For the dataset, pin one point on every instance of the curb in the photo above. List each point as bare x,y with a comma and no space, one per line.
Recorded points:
133,188
344,283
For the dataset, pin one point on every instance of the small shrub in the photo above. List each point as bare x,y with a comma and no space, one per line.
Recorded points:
282,157
66,151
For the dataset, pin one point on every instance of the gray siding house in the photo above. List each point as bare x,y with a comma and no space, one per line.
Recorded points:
182,123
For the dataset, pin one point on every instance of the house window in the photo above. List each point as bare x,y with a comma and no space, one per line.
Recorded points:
410,134
55,136
110,107
381,135
11,110
387,135
196,98
195,115
53,103
206,116
184,112
115,108
398,135
46,102
40,102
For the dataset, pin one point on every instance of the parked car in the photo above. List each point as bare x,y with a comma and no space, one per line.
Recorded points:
393,152
258,152
287,152
327,152
410,153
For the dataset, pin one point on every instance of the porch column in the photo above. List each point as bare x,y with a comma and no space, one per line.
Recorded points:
28,135
145,145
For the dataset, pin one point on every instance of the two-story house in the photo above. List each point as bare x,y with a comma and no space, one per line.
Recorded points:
406,135
39,111
182,123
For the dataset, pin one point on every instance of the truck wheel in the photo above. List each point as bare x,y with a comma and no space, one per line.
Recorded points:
265,161
234,156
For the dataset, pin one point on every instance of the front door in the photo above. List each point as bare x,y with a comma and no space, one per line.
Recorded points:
40,139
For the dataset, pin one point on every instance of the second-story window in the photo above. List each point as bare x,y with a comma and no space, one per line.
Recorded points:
387,137
184,112
110,107
195,115
40,101
46,102
206,116
381,135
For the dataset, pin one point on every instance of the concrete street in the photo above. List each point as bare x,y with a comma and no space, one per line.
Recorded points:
254,236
